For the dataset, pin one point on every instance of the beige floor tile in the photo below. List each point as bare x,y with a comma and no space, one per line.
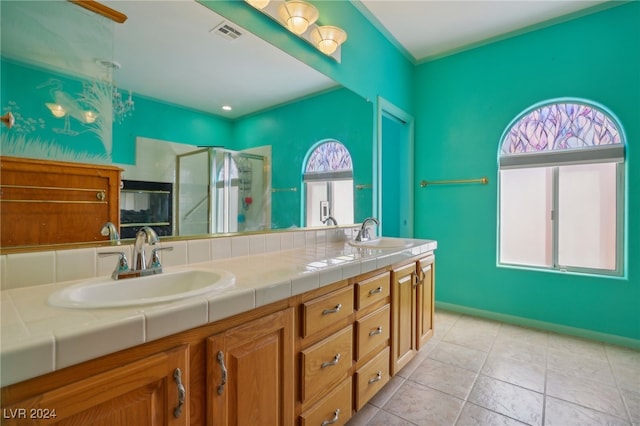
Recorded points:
526,334
576,365
446,378
473,415
587,393
469,337
563,413
383,418
573,345
387,391
460,356
632,400
423,406
507,399
521,350
364,416
526,375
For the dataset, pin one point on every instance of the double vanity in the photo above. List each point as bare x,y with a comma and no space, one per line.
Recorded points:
295,327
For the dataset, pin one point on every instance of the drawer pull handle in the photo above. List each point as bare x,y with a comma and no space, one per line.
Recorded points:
375,291
332,362
177,376
377,378
376,331
336,415
333,310
223,368
101,195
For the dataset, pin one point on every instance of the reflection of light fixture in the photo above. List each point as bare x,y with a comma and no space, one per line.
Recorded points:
122,107
90,116
297,15
226,108
258,4
328,38
56,109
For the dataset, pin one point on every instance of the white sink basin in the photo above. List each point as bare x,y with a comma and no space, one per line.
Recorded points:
381,243
164,287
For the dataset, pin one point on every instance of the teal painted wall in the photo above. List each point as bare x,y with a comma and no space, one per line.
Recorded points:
463,104
293,129
158,120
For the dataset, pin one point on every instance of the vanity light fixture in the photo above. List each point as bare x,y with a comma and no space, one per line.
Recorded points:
297,15
56,109
327,38
300,17
226,108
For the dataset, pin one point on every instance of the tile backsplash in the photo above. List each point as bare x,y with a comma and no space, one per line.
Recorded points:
44,267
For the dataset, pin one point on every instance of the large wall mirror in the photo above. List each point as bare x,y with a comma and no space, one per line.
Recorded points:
147,95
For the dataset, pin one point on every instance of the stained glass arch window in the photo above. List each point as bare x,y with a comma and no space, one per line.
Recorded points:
329,156
564,131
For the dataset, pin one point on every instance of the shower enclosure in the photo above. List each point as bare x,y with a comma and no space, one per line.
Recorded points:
220,191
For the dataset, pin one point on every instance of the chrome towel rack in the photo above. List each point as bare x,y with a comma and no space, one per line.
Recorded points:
482,180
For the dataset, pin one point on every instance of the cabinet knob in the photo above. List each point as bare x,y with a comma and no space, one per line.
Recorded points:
101,195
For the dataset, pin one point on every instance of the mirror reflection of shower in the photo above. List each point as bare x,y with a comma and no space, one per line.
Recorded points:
220,191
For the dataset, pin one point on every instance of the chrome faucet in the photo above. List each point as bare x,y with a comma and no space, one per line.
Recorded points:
140,267
109,230
363,232
144,235
330,220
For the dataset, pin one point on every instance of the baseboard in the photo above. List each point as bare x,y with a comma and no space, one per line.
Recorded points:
542,325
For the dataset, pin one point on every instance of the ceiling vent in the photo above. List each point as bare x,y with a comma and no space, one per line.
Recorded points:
227,31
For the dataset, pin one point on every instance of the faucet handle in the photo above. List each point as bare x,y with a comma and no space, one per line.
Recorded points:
121,266
155,258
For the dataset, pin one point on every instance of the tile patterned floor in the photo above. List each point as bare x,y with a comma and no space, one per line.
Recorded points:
480,372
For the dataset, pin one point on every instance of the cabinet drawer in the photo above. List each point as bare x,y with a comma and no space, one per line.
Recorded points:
371,290
327,362
372,331
371,378
319,313
335,406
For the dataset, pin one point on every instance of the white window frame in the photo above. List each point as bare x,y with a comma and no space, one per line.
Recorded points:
555,160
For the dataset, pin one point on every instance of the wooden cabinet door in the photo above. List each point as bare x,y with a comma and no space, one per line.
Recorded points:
403,318
250,373
425,298
142,393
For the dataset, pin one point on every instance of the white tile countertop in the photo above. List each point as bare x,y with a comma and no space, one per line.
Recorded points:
37,338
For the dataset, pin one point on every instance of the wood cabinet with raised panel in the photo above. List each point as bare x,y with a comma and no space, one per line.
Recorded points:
412,295
249,373
152,391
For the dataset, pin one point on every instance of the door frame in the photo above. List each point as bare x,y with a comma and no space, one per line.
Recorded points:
387,108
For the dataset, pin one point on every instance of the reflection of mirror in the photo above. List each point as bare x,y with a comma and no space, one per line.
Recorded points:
278,102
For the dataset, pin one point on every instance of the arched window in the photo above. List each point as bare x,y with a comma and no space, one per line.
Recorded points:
328,182
561,183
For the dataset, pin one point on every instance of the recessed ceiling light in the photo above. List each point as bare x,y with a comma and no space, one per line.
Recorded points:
226,108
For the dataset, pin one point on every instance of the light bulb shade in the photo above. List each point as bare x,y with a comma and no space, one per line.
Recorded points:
258,4
90,116
297,15
328,38
56,109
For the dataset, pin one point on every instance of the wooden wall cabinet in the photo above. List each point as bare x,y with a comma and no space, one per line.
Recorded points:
53,202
